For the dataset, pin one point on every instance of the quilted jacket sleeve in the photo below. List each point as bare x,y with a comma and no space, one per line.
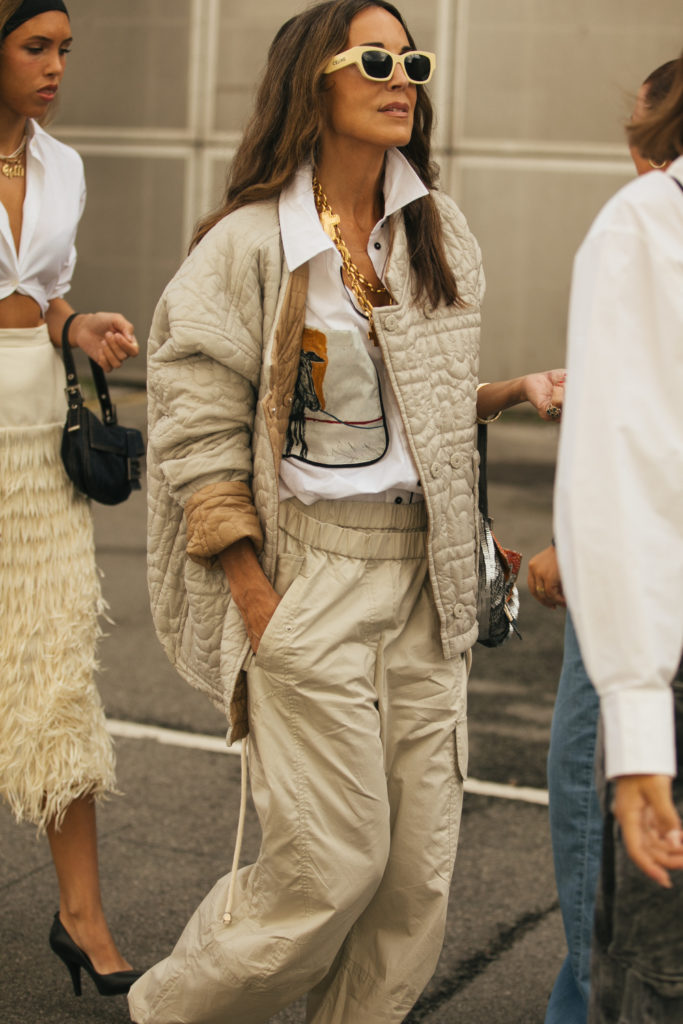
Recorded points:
204,365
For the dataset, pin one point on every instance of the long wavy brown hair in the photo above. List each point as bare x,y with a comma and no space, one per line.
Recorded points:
659,134
288,121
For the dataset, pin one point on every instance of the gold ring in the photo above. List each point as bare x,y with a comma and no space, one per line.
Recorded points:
540,589
553,412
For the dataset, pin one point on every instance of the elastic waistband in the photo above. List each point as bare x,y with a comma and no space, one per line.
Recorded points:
358,529
25,335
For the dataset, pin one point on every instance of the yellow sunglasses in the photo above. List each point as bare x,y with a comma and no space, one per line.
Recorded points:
378,64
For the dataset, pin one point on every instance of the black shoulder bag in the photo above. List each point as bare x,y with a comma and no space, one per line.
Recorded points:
101,458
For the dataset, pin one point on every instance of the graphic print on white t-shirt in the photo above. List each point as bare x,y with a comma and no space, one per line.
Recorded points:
337,416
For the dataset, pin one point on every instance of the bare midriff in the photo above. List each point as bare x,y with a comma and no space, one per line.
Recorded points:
19,311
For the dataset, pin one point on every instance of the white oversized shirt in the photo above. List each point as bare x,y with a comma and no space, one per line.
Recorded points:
619,486
54,201
331,310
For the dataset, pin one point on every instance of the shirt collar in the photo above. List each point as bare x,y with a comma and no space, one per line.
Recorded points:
300,227
34,138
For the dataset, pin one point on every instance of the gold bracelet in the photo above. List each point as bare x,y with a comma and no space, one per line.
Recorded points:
491,419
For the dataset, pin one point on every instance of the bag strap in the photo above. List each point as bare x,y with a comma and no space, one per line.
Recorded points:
679,183
73,391
481,448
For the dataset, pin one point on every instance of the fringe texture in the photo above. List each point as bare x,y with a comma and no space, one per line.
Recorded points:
54,746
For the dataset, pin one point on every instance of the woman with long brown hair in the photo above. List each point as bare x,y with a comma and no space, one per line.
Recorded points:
56,756
313,404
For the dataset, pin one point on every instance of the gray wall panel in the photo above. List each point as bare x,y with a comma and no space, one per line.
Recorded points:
129,64
529,223
130,237
245,32
546,70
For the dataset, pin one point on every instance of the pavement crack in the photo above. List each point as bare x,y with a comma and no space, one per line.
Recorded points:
18,879
475,965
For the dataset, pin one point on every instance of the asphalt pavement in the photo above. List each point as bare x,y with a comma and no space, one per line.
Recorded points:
169,836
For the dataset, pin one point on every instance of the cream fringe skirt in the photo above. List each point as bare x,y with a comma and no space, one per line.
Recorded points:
54,746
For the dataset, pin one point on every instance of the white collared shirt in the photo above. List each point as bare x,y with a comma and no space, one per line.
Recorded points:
332,310
619,489
54,201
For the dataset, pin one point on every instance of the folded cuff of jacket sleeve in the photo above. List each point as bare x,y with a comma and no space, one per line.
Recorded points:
640,737
217,516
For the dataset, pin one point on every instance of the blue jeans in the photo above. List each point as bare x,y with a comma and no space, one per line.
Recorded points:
576,828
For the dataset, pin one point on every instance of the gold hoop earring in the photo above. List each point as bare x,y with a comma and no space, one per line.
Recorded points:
658,167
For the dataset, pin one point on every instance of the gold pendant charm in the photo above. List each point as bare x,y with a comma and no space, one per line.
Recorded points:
13,170
329,222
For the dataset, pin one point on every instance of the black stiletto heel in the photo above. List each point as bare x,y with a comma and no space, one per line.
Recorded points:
75,972
115,984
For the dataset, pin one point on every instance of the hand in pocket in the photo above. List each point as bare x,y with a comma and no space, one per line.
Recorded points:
258,613
253,594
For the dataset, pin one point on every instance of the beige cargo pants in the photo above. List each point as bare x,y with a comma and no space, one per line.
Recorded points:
357,752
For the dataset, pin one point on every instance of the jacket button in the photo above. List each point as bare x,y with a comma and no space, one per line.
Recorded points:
459,611
391,323
435,469
456,461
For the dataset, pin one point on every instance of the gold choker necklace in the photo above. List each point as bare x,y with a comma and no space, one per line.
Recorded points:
360,286
12,166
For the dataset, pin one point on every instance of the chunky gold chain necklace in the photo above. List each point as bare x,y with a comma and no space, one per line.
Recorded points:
12,167
360,286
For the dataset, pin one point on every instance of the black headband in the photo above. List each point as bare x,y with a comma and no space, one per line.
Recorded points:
31,9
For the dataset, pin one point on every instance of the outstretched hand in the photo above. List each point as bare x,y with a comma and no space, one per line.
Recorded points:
545,391
650,825
106,338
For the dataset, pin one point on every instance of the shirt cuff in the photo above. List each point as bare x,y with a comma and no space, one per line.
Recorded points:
639,730
217,516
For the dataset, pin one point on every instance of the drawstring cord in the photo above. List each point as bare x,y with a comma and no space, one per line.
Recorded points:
227,916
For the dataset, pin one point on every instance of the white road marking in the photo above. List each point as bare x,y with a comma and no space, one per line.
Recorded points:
216,745
525,794
170,737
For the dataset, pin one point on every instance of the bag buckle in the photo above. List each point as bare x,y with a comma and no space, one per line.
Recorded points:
134,471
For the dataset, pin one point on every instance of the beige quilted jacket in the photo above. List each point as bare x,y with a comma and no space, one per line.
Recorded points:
223,358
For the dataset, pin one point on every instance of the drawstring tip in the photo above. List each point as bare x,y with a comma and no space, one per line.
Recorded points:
227,916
